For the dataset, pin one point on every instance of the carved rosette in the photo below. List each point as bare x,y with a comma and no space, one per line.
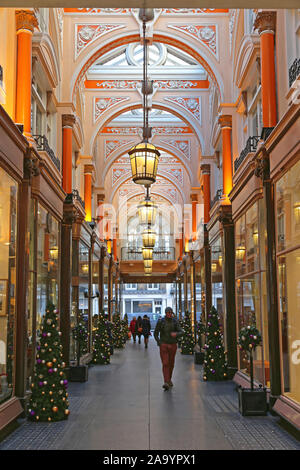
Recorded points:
225,121
25,19
265,21
68,120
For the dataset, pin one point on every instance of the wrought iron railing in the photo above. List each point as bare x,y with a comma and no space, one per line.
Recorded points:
43,144
74,195
159,254
294,71
251,146
217,197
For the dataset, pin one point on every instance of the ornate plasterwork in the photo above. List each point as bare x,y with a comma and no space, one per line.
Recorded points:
204,33
118,173
232,18
118,84
121,130
175,173
112,145
98,11
189,11
167,159
123,160
135,84
175,84
171,130
191,104
87,33
183,145
103,104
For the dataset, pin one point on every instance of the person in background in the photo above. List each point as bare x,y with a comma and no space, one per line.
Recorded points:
146,327
139,328
166,333
132,328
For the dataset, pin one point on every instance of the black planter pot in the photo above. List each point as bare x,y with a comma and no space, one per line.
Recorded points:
78,373
253,402
199,357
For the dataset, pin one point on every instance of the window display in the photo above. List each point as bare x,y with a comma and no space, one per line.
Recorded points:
105,288
251,301
84,272
288,269
8,237
200,288
217,278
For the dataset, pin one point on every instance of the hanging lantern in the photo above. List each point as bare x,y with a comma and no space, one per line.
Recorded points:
240,252
149,237
147,253
147,212
148,270
148,263
144,161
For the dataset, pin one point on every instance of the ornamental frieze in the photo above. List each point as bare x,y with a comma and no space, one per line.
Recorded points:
204,33
191,104
103,104
172,130
86,33
112,145
183,145
135,84
118,173
176,173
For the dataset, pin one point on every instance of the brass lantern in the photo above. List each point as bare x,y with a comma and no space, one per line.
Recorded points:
148,263
147,212
147,253
149,237
144,161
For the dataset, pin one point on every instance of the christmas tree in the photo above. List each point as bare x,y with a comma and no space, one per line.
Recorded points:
187,339
200,329
117,331
49,400
215,366
125,328
80,335
101,347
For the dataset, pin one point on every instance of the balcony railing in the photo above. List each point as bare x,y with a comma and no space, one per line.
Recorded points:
43,144
160,254
217,197
294,71
74,195
251,146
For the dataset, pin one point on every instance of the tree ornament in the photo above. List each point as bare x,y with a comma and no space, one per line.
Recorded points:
214,350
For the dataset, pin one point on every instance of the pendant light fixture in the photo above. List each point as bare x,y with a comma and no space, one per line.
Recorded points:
147,253
149,237
148,270
148,263
147,211
144,156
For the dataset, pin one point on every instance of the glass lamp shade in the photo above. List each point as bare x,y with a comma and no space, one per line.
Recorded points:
149,238
144,161
148,263
147,212
148,270
147,253
240,252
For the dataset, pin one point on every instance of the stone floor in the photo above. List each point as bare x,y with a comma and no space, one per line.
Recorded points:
122,406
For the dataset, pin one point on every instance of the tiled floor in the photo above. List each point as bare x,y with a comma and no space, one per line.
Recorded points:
122,406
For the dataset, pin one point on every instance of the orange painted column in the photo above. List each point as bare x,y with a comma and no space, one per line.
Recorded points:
225,122
115,247
88,174
100,215
25,23
68,121
265,22
205,170
194,199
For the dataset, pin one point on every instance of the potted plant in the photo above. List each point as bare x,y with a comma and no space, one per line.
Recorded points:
199,354
252,401
79,373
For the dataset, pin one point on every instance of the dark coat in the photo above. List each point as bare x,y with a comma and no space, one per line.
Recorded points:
146,325
139,324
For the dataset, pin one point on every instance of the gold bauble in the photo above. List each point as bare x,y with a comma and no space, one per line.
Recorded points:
49,364
55,409
49,419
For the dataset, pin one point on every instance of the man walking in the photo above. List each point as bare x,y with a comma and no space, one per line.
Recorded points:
166,333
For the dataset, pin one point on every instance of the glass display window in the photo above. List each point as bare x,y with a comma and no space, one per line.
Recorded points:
47,263
8,288
288,274
95,291
105,288
217,278
251,287
200,289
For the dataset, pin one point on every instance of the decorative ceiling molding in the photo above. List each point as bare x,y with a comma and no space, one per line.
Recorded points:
121,130
111,145
170,130
183,145
191,104
189,11
171,84
176,173
97,11
103,104
118,173
206,34
85,34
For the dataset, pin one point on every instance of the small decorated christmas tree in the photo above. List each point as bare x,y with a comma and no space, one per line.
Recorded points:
101,346
215,366
249,339
125,328
117,331
49,400
80,335
187,339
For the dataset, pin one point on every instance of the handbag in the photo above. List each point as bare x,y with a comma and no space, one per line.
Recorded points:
140,330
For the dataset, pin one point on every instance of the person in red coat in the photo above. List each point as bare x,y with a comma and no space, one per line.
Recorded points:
132,328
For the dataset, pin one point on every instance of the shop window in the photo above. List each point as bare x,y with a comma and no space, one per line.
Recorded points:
8,288
48,235
288,272
217,278
200,288
251,289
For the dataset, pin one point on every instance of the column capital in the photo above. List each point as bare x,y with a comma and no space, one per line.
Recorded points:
89,169
68,120
205,169
100,199
265,21
26,19
225,120
194,197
